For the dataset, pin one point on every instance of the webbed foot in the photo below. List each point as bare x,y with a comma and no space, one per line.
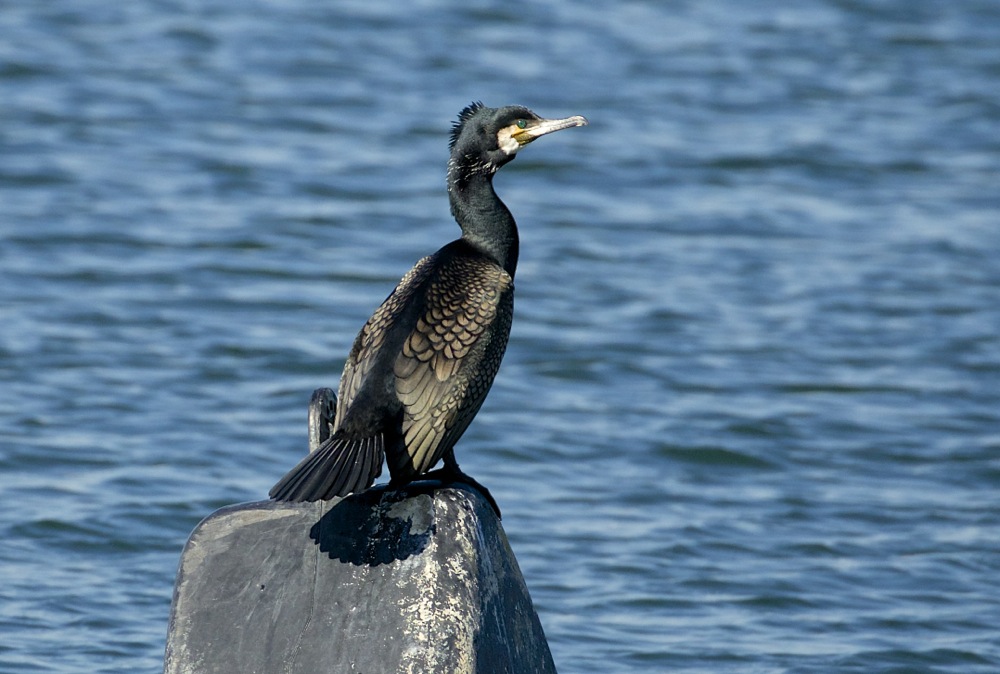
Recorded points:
454,474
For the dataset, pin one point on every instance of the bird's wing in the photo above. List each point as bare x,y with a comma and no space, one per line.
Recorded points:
449,360
362,358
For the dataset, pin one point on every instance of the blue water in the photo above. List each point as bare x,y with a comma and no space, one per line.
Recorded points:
749,419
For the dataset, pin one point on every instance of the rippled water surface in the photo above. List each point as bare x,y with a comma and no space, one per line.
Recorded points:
749,420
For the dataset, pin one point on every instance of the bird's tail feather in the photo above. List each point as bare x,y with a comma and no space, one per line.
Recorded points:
340,466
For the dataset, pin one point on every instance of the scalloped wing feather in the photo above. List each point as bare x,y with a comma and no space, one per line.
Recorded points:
449,360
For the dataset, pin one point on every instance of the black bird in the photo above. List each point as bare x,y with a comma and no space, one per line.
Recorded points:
423,363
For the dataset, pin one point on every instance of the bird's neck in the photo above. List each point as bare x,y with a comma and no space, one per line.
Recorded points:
485,220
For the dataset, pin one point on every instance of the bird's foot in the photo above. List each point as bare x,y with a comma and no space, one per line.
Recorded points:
449,475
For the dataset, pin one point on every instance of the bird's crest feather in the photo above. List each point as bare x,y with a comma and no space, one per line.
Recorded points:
468,113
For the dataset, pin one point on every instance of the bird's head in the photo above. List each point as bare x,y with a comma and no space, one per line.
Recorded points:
484,139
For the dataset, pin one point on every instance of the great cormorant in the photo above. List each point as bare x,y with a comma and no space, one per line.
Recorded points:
423,363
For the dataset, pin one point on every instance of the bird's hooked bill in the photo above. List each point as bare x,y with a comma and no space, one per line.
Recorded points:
538,128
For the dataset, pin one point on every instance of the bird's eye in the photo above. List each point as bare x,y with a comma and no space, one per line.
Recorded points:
521,123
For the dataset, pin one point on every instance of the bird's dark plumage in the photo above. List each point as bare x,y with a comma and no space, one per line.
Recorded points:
422,365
